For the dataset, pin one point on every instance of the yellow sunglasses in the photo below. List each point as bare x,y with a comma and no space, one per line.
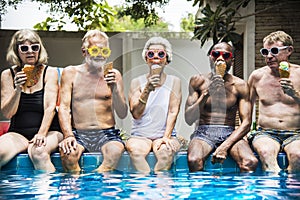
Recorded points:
96,51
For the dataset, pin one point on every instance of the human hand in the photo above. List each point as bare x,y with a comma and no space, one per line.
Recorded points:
216,82
153,81
110,77
20,79
68,145
287,87
38,140
219,156
170,144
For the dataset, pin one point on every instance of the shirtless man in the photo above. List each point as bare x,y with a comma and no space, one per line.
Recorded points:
213,102
88,100
279,105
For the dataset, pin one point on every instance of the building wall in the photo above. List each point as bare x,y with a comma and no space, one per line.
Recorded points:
274,15
64,48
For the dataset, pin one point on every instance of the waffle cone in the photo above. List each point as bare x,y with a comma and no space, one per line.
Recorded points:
284,73
156,69
28,70
221,69
107,67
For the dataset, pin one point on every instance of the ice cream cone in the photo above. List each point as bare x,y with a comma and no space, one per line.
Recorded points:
156,69
221,68
28,70
284,69
107,67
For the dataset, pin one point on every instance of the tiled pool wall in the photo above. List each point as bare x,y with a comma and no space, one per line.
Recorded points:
90,161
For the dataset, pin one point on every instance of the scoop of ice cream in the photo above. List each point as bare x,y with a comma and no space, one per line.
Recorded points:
284,69
221,68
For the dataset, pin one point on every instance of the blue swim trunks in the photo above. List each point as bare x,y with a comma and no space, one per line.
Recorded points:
283,137
93,140
214,135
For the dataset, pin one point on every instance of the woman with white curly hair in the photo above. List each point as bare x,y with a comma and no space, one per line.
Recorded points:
154,100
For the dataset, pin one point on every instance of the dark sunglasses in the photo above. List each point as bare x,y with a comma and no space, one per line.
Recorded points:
160,53
217,54
274,51
25,48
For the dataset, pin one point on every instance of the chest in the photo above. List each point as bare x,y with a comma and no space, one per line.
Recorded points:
90,87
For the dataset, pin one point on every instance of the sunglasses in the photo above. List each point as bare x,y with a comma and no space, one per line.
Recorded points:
160,53
96,51
274,51
224,54
25,48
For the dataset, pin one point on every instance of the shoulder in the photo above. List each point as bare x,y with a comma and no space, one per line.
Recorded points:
259,72
197,80
6,72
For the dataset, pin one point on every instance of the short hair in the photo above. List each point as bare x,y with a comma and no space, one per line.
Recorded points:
20,37
276,36
90,34
159,41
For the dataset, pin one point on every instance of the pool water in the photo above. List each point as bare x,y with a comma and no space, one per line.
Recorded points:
216,184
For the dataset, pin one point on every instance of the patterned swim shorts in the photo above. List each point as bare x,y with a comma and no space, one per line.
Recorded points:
214,135
283,137
93,140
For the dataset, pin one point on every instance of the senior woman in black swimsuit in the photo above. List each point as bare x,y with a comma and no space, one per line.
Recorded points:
31,108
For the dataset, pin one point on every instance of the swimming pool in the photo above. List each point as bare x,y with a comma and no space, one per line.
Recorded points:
217,182
166,185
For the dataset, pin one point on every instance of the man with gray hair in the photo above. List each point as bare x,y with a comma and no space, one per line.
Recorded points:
88,99
154,100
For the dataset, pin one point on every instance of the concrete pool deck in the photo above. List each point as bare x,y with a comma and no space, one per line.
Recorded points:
90,161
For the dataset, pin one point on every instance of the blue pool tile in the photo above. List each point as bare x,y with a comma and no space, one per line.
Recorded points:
93,160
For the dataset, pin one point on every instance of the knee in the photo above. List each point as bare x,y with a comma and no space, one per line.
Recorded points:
248,164
294,157
39,153
195,163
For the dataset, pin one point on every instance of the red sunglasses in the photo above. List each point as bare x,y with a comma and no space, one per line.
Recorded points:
224,54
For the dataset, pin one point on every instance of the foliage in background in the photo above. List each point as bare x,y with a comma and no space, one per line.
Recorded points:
140,9
135,15
218,24
187,24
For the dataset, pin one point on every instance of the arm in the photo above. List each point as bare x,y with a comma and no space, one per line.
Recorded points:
64,112
137,98
119,101
50,99
194,102
10,96
245,111
174,107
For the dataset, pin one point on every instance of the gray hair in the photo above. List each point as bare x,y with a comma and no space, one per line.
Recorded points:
90,34
159,41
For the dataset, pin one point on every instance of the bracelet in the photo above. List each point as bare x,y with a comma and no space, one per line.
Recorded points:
142,101
69,136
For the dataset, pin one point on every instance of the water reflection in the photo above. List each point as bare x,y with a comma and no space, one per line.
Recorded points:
164,185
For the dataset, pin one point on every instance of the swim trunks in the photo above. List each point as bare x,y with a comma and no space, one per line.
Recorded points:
93,140
214,135
283,137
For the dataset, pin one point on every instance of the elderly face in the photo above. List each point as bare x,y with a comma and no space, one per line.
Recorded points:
156,54
97,52
29,52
